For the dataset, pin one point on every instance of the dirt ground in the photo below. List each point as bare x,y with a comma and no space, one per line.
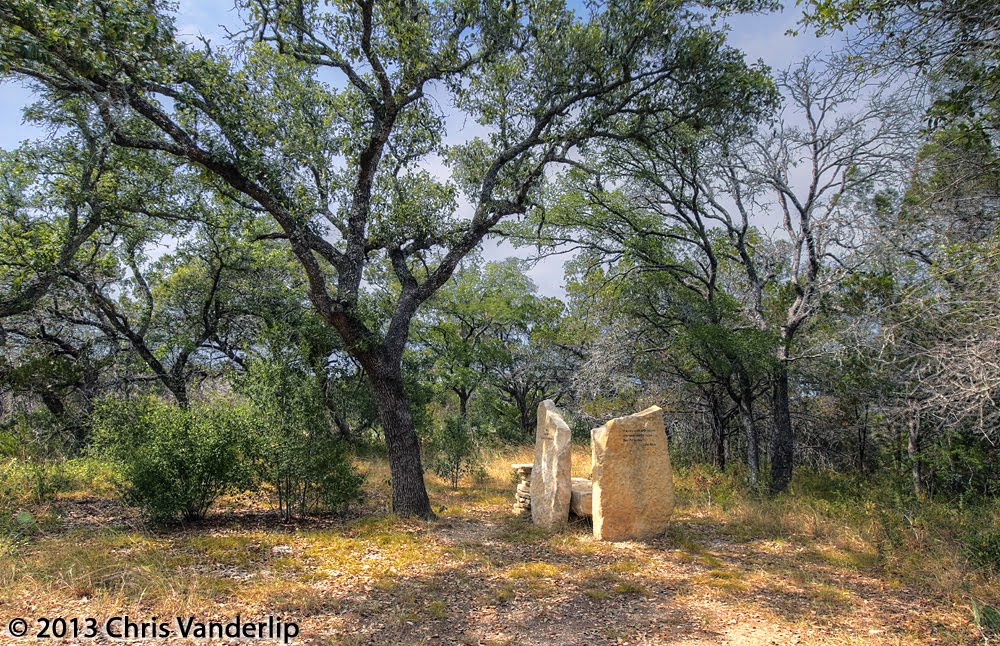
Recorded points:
477,575
498,581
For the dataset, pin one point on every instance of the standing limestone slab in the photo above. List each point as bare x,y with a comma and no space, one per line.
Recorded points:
550,475
633,484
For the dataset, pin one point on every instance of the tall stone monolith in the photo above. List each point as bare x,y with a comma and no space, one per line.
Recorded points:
550,475
633,485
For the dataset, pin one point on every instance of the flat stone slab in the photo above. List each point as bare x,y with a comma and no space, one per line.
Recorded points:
582,497
633,483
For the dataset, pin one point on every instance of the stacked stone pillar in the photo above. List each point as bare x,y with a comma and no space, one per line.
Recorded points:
522,496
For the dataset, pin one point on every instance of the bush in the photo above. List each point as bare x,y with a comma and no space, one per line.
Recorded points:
31,482
455,450
310,474
982,545
175,462
40,435
90,476
308,466
25,484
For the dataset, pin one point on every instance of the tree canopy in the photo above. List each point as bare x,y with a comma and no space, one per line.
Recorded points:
323,118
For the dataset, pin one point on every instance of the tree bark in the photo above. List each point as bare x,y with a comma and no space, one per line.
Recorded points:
783,446
53,403
750,429
409,495
718,435
178,388
519,397
525,415
463,402
916,460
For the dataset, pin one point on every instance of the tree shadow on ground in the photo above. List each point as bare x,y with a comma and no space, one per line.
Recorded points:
478,575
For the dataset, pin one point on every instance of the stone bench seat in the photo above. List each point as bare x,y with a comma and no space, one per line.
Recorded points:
582,497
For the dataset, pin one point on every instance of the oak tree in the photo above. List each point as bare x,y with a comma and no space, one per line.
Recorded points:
327,117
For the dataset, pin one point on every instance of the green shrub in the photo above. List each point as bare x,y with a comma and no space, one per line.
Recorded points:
175,462
701,484
454,450
90,475
8,443
298,454
15,529
310,474
31,482
982,546
986,620
40,435
23,484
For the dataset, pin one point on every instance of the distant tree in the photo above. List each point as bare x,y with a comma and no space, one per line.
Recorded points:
950,48
489,328
849,153
939,350
532,363
55,196
62,368
462,324
658,340
165,315
696,206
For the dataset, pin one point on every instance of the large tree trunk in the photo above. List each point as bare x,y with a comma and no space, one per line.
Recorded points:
750,429
409,495
463,401
783,446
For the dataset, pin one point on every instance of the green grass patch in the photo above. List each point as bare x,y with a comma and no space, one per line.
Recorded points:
437,610
533,570
829,594
723,580
243,550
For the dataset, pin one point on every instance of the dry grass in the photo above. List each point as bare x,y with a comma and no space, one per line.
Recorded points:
731,569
